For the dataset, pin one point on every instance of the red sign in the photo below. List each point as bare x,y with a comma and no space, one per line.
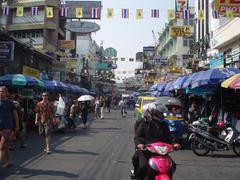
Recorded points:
228,5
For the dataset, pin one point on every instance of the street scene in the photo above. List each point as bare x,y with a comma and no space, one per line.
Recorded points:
108,89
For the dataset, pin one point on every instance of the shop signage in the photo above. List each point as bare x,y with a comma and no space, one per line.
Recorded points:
223,5
236,54
217,61
110,52
6,50
66,44
82,27
180,5
176,31
31,72
102,66
177,70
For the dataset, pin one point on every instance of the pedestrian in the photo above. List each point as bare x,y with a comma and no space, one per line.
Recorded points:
97,108
9,123
73,115
193,112
84,112
108,103
122,105
102,106
44,120
22,126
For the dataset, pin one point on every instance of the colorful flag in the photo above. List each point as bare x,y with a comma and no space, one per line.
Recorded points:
110,13
155,13
139,14
171,14
34,11
19,12
5,10
125,13
186,14
64,11
49,12
215,14
200,15
79,12
229,15
95,13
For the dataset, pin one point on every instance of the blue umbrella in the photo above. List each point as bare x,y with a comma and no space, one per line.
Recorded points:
20,80
189,80
74,88
153,87
156,93
168,88
85,91
178,84
54,85
213,76
161,87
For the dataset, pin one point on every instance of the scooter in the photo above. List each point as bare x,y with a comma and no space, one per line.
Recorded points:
159,161
203,141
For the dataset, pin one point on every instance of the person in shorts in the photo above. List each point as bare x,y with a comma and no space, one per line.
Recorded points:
8,124
44,120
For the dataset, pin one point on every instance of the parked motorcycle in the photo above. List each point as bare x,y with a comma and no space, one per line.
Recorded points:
159,161
223,138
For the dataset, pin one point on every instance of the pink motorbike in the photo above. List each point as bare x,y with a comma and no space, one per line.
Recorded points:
160,162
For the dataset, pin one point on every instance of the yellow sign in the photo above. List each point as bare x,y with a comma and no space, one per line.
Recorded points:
176,31
31,72
222,6
174,70
66,44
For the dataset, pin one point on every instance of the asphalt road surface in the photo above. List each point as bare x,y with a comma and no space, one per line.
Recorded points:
103,152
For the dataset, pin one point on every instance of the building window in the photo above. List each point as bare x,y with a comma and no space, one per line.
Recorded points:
185,42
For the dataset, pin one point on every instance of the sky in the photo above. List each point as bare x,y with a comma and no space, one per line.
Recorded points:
128,36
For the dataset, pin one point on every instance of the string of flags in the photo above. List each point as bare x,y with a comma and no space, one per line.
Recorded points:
95,13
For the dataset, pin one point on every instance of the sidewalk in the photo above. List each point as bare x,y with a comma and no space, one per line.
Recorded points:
23,157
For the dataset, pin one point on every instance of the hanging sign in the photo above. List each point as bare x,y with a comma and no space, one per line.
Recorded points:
228,5
176,31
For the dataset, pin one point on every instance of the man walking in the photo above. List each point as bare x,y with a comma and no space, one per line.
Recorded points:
8,122
44,118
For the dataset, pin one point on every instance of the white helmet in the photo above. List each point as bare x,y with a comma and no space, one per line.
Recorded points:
154,111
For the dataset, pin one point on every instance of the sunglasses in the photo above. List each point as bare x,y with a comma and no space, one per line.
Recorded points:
44,95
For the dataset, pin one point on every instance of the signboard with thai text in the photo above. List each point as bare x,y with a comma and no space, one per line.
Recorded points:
6,50
31,71
176,31
66,44
217,61
228,5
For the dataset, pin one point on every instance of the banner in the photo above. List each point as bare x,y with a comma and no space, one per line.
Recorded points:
229,15
79,12
19,12
228,5
49,12
31,72
171,14
110,13
201,15
176,31
139,14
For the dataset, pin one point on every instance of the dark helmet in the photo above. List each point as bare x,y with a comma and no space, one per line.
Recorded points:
154,111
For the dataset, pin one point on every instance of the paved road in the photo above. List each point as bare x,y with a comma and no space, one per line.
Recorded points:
103,152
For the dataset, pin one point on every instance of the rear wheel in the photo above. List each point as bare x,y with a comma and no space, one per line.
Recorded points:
199,149
236,148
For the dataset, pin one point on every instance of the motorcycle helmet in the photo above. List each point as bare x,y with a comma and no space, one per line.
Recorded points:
220,124
154,111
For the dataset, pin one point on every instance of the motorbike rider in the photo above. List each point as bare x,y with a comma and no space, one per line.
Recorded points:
151,129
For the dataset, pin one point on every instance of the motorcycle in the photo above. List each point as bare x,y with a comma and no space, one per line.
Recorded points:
159,161
204,140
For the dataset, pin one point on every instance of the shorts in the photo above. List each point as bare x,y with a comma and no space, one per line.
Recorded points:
45,129
5,139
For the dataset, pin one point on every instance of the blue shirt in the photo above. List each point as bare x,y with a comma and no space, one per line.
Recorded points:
6,114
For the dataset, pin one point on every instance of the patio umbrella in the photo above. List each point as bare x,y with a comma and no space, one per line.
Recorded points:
54,85
20,80
213,76
178,83
153,87
86,98
232,82
189,80
168,88
161,87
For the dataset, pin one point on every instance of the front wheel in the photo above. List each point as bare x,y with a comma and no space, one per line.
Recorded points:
199,149
236,148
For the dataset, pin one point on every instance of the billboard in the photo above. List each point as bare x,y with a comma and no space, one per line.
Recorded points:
6,50
217,61
180,5
223,5
176,31
82,27
86,6
139,56
66,44
148,51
